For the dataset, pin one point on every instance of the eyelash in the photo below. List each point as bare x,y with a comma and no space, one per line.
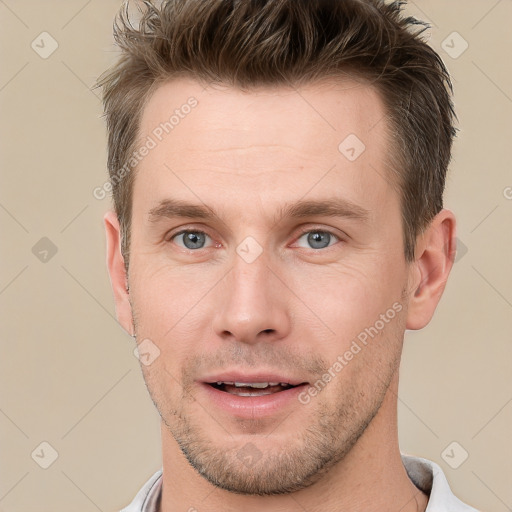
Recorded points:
300,235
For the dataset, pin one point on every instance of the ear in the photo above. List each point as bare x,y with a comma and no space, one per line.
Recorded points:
117,272
436,249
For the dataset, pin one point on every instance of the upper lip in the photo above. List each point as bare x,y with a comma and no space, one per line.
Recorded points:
239,376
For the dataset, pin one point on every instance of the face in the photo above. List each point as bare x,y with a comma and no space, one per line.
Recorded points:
266,246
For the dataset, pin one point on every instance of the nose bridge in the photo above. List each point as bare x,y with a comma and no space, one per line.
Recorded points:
250,279
251,303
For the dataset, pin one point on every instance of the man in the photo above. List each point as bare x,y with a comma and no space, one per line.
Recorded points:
278,170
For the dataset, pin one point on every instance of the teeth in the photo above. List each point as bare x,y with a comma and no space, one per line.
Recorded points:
258,385
253,394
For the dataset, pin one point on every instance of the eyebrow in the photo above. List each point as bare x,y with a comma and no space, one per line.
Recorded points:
337,207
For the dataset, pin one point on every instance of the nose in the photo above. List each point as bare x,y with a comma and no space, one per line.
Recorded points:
253,303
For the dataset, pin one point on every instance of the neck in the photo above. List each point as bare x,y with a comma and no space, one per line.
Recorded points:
370,477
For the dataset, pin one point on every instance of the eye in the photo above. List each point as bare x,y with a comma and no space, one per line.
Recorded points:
190,239
193,239
318,239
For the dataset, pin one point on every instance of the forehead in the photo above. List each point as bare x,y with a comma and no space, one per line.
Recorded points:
262,114
280,141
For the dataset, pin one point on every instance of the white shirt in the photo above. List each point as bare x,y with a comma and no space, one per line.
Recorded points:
425,474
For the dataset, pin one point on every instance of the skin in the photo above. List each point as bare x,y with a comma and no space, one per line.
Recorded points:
294,309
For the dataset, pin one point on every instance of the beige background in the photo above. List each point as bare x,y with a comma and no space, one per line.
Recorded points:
68,374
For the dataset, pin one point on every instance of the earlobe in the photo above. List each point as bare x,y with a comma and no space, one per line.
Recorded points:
117,271
436,253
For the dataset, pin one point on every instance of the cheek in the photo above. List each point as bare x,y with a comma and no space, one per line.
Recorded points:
357,324
169,310
346,298
364,355
163,293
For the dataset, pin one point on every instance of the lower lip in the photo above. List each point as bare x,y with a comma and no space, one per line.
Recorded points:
251,407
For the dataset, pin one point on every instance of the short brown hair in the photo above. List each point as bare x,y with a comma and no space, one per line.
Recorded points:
250,43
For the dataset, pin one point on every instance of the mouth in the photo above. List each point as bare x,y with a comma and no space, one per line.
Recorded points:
252,388
253,397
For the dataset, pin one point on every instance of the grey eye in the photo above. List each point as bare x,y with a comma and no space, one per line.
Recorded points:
191,239
318,239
